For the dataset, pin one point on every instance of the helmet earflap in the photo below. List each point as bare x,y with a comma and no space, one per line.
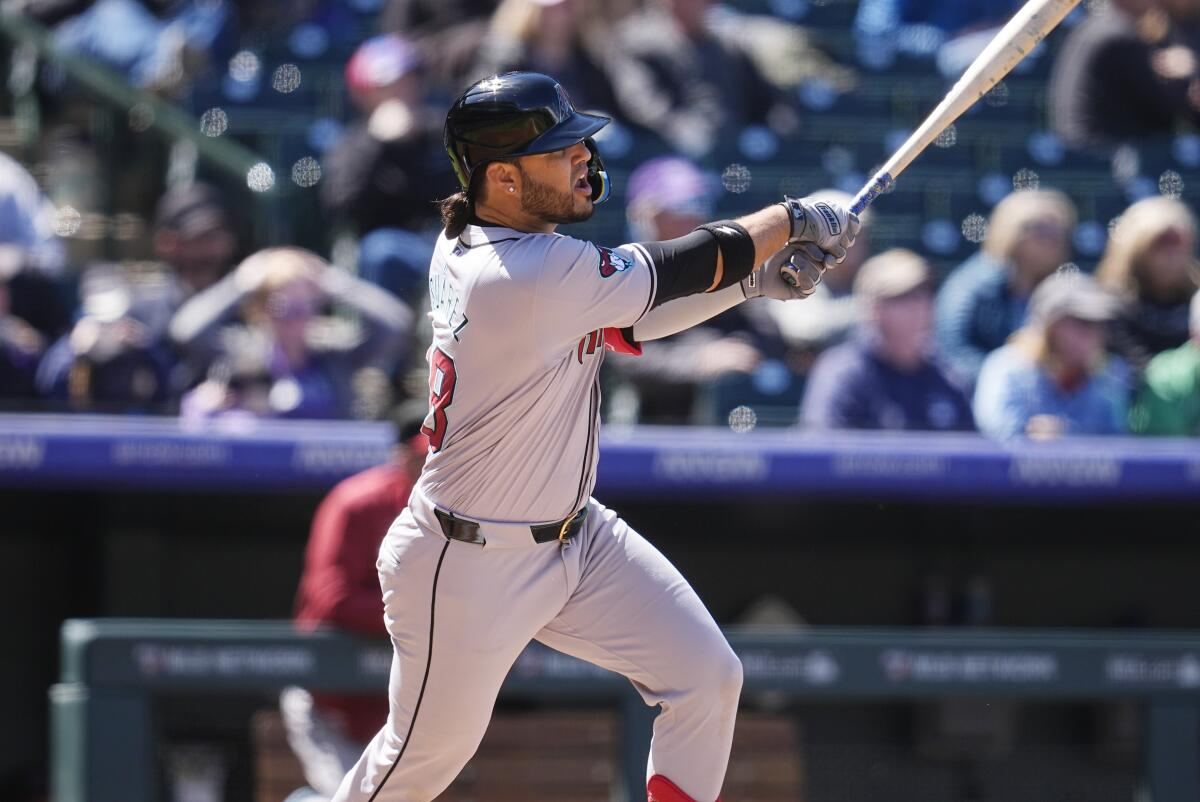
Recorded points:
597,176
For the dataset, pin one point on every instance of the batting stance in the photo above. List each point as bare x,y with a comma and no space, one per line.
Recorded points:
501,542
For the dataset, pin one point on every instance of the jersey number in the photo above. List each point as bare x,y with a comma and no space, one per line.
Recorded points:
441,394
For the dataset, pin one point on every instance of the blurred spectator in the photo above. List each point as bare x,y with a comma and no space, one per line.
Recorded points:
956,30
554,37
160,43
1183,17
194,237
785,54
829,314
1150,264
340,588
1054,378
1169,401
286,360
887,377
674,77
449,34
47,12
1110,86
389,169
21,347
32,257
337,23
667,198
195,243
115,358
983,300
27,221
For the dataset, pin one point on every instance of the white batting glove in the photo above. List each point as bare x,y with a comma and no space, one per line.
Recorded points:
828,225
792,273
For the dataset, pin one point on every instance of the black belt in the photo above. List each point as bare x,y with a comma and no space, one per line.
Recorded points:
468,531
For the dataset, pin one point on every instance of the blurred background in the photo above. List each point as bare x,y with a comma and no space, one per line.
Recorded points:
216,220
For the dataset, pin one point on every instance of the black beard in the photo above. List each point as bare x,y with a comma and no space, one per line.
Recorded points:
545,203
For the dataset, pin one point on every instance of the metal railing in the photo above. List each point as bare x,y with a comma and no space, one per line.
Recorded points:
114,671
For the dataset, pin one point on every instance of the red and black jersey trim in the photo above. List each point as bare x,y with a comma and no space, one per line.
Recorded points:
424,680
622,341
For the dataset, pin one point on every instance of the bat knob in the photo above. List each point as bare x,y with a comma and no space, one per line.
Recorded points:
789,274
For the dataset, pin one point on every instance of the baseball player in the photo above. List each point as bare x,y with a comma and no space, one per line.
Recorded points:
501,542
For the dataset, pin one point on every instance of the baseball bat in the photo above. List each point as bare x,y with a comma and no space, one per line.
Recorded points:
1013,42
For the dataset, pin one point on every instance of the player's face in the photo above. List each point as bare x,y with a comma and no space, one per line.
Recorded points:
554,186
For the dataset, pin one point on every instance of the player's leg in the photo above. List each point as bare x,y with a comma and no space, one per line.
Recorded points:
458,617
631,611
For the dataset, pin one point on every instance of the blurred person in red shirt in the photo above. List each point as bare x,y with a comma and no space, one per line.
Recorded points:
340,588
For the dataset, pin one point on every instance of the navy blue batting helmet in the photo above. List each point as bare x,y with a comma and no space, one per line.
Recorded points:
519,114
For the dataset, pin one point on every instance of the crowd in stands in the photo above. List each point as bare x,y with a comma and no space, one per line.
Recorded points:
1017,340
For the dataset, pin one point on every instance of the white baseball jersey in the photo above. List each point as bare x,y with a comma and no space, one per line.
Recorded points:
519,332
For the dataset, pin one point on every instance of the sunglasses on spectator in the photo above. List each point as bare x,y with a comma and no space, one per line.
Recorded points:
1043,229
1171,238
281,307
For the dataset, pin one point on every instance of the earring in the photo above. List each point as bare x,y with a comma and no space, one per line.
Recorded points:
512,189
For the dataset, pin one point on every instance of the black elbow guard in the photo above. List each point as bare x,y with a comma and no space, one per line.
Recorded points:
737,252
687,265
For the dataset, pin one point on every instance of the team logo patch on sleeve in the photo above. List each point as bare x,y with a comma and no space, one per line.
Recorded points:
612,262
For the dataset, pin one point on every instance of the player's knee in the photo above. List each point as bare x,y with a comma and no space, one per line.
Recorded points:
724,677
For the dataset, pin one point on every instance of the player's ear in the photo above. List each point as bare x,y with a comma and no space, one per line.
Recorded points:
503,178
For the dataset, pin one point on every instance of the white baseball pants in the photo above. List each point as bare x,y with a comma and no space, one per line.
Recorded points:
459,615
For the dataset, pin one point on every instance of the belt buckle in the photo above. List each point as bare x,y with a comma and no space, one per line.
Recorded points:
562,533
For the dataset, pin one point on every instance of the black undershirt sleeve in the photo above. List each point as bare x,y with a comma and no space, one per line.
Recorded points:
687,265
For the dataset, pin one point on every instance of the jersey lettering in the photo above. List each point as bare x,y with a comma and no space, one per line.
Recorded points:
593,340
442,378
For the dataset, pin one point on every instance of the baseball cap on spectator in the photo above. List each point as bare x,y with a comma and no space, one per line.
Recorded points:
892,274
104,293
1070,294
666,184
380,61
191,211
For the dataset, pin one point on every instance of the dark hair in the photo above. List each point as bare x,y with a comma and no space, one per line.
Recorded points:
456,213
458,209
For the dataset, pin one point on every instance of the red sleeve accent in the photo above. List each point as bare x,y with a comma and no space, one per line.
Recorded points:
615,340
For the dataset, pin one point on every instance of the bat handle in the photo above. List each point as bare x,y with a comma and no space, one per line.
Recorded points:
878,185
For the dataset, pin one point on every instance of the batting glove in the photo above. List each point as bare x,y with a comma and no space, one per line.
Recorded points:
829,226
793,273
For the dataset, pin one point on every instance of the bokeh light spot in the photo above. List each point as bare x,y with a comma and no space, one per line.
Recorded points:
286,78
1170,183
261,177
742,419
67,221
974,228
1026,179
306,172
214,122
736,178
244,66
